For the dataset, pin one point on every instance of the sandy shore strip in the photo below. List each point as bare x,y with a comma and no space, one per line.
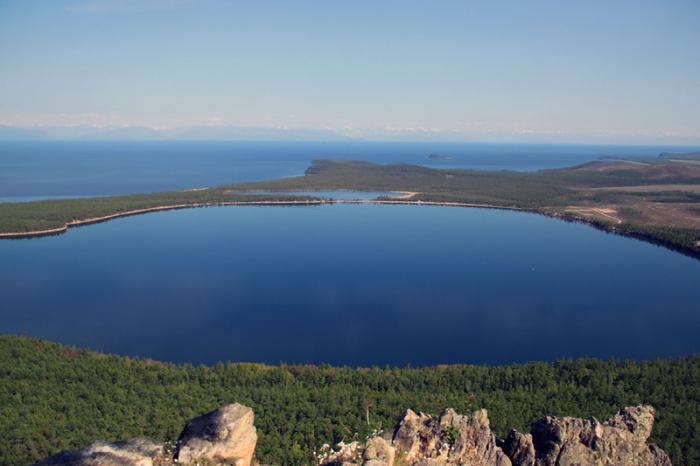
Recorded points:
399,200
127,213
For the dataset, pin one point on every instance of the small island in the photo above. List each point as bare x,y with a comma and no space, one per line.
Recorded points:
440,157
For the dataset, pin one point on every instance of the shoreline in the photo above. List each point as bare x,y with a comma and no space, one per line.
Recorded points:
128,213
405,200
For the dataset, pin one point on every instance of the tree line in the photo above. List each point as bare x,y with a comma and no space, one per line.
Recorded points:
55,397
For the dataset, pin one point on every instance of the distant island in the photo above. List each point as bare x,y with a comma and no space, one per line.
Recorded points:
440,157
653,198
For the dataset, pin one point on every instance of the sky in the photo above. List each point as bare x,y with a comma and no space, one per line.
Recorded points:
561,70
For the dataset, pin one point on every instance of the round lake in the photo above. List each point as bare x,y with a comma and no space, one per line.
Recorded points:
351,284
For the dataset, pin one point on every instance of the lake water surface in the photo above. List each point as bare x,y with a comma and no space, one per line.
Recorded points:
351,284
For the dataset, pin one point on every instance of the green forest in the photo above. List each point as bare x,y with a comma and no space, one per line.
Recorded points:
39,215
55,397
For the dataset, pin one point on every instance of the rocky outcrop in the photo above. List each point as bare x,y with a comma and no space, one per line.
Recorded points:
474,442
452,439
135,452
226,436
620,440
449,439
423,440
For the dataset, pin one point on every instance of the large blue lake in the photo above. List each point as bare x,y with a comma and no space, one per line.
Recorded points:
351,284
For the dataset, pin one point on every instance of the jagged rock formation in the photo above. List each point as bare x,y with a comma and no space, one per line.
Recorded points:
452,439
228,437
619,440
449,439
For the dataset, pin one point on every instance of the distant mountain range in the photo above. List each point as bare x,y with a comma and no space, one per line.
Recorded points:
139,133
13,133
261,133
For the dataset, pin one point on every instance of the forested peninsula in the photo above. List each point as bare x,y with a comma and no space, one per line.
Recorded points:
652,198
55,397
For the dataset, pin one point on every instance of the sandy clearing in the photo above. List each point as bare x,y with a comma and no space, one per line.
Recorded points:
602,211
405,194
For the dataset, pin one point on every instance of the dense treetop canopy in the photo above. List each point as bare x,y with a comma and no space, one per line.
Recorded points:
55,397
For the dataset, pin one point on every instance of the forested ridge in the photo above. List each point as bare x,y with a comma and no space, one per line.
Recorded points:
55,397
18,217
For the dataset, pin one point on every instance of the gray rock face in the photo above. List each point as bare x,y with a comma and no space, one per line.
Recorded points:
135,452
519,448
225,436
620,440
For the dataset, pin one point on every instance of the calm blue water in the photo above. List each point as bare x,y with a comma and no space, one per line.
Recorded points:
41,169
351,284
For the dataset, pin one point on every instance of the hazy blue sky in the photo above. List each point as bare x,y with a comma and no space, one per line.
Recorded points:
493,70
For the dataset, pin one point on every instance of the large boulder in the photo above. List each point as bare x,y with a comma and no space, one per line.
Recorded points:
135,452
226,436
563,441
